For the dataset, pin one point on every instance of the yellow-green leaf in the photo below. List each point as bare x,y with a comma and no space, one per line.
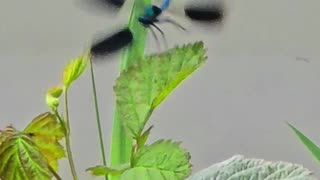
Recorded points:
161,160
104,170
46,132
52,97
21,159
145,84
74,69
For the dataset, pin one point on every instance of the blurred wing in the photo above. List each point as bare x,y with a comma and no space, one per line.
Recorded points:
205,11
112,43
200,13
100,6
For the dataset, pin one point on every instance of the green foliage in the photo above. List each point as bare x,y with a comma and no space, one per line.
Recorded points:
104,170
33,153
310,145
145,173
145,84
239,167
161,160
74,69
121,143
165,156
46,132
139,90
21,159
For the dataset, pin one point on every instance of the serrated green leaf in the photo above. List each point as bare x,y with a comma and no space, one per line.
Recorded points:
52,97
145,173
21,159
104,170
46,132
309,144
74,69
162,159
144,85
239,167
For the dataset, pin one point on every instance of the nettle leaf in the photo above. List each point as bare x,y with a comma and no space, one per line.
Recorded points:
74,69
46,132
142,87
21,159
239,167
310,145
52,97
101,170
161,160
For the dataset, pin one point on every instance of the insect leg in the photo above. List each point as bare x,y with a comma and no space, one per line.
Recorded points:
156,38
162,33
173,22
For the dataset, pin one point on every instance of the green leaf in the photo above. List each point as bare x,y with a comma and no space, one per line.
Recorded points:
21,159
46,132
311,146
74,69
145,84
160,160
52,97
146,173
104,170
238,167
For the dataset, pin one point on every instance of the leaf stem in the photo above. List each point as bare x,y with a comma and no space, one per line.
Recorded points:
98,116
55,174
121,144
68,142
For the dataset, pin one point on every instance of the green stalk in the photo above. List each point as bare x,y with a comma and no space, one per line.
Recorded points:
121,144
98,117
68,142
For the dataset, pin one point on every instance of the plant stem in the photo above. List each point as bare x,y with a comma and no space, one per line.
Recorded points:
68,145
98,116
121,144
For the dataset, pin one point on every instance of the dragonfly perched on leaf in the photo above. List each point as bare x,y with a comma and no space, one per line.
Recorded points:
202,11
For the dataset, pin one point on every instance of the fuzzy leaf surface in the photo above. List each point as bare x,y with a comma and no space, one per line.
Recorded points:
145,84
239,167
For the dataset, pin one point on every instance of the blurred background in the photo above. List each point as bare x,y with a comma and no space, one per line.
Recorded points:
262,70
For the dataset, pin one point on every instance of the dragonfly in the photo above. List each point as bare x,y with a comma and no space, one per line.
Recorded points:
150,18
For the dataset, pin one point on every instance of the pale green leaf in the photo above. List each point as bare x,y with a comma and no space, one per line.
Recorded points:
46,132
52,97
104,170
21,159
160,160
239,167
145,84
146,173
310,145
74,69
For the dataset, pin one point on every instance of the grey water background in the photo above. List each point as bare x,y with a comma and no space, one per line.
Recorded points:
262,70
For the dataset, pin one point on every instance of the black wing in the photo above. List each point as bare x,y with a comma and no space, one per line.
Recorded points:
112,43
205,12
100,6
